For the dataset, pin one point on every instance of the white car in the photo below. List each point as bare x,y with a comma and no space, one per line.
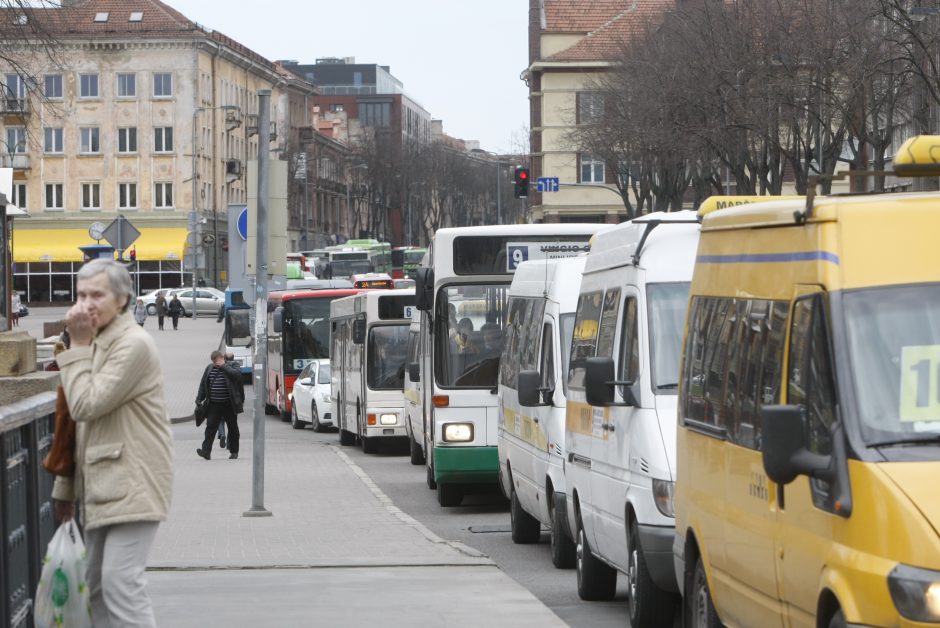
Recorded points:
310,399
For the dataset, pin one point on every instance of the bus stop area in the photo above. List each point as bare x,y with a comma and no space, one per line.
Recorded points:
336,550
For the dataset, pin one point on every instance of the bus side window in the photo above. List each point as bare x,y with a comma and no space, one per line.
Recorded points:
547,363
810,382
629,367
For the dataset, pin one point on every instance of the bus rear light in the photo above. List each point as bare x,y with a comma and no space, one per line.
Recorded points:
440,401
370,419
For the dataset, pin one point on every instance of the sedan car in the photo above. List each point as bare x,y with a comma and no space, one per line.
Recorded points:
208,300
310,399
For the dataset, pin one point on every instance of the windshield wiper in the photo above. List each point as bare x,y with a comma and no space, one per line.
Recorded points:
910,440
671,386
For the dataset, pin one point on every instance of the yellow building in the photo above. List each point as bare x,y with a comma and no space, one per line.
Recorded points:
139,112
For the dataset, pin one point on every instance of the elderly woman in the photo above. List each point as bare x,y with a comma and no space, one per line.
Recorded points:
114,387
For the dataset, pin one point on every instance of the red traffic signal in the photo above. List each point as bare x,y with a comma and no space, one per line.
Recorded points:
521,178
133,253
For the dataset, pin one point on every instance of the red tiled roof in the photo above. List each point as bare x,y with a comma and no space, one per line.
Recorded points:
76,18
581,16
604,40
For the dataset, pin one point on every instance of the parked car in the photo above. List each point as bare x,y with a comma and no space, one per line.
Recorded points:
310,399
150,298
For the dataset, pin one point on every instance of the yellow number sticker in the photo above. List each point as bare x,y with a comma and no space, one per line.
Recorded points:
920,383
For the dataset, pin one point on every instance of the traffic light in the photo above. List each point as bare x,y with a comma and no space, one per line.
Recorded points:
521,177
134,254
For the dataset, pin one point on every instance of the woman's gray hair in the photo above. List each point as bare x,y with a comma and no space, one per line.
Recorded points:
118,277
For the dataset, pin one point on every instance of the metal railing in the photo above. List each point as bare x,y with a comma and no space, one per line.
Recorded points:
27,521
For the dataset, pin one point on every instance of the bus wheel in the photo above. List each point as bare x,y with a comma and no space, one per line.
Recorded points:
432,483
563,548
702,613
596,579
838,620
346,438
525,528
417,456
648,604
449,494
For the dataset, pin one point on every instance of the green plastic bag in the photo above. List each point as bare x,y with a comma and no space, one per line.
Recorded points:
62,599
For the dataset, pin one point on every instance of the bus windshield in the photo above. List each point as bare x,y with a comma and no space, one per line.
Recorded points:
414,257
388,352
893,337
472,321
348,268
667,303
306,331
238,328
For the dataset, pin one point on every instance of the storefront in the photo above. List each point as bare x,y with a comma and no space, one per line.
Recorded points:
45,261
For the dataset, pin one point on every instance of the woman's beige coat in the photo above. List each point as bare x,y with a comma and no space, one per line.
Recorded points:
123,457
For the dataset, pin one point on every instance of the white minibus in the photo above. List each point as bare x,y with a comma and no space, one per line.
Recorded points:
532,381
620,434
368,358
461,292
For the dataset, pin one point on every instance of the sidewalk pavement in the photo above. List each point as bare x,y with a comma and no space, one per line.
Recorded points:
336,550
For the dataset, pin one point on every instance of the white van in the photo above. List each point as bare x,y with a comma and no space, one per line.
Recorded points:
414,406
532,386
620,433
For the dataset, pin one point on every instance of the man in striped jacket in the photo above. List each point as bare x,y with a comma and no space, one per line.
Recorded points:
220,386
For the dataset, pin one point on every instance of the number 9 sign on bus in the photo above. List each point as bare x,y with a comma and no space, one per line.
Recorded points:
518,252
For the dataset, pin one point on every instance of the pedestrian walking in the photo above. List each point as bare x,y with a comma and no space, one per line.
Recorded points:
230,361
160,304
15,304
140,312
123,452
175,309
219,387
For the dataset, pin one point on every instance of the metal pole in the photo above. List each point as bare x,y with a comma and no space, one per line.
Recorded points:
261,307
194,215
499,206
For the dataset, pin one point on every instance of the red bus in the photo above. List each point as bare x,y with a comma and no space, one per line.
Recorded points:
298,332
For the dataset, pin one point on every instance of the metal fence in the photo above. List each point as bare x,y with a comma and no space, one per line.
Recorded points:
26,514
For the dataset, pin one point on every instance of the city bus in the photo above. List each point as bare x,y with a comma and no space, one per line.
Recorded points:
298,332
406,260
461,291
370,338
237,336
380,253
345,262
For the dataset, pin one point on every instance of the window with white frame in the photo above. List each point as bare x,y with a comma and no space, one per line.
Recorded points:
163,195
15,87
126,85
16,139
163,139
88,86
52,86
127,139
19,195
91,196
162,84
52,141
90,139
592,169
127,196
54,195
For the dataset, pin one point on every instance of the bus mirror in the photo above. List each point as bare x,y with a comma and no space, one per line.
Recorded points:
359,331
278,323
783,448
598,382
529,387
424,289
414,371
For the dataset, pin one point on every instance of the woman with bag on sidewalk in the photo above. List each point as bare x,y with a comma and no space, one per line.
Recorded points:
123,452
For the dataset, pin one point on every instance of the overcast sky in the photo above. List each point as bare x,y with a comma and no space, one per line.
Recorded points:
460,59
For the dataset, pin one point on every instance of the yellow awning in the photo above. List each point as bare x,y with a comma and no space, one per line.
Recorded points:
61,245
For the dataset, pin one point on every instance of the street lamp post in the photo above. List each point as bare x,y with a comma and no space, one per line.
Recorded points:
194,213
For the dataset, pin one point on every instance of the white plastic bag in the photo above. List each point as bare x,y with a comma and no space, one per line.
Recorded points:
62,599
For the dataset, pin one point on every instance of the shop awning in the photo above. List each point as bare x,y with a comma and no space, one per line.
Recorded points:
61,245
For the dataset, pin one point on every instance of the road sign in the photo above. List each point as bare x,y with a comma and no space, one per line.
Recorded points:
547,184
241,225
120,234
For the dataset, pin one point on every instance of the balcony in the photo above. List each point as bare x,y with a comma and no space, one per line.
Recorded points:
17,161
14,106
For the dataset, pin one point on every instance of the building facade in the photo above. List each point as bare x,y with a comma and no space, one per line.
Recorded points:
143,113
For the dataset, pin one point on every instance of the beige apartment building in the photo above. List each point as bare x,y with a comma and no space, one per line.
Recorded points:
141,113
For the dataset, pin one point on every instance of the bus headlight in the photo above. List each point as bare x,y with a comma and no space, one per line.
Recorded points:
458,432
662,494
388,419
916,592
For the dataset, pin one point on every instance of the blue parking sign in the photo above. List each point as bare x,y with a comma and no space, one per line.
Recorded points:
516,254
